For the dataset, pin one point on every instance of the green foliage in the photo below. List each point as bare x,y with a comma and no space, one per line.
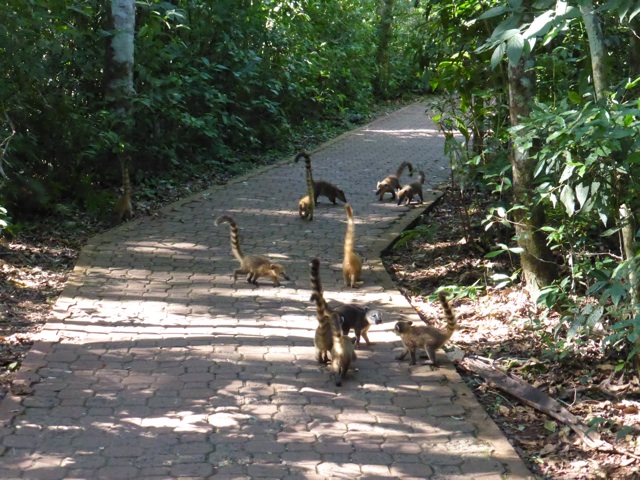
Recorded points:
215,81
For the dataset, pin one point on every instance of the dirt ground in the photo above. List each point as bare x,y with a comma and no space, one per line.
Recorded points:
499,324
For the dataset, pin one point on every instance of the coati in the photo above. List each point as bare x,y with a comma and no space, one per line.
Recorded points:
342,351
323,339
329,190
352,263
392,182
424,336
358,319
409,191
321,187
307,203
254,266
123,208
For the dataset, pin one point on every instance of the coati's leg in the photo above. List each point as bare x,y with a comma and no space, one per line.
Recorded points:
413,356
421,197
241,271
363,332
403,354
431,353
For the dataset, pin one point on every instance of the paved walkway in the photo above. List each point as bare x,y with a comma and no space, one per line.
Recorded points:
156,365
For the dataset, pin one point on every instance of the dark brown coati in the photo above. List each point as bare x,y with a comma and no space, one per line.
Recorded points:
254,266
359,319
321,187
392,182
424,336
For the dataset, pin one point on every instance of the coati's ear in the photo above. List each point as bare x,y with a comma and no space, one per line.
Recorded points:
409,323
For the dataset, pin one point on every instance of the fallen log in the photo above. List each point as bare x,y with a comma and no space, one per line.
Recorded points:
531,396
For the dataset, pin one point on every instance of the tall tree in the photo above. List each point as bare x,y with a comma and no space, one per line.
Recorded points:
385,15
538,266
119,88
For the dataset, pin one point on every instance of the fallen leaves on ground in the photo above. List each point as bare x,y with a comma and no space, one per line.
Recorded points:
505,326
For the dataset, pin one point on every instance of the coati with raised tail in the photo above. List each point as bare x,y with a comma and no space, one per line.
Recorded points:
342,351
307,203
323,339
321,187
254,266
123,209
424,336
392,182
359,319
352,263
409,191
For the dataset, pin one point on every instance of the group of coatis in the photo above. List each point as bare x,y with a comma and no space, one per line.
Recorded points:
332,342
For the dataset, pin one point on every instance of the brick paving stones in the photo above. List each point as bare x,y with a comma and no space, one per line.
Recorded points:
155,364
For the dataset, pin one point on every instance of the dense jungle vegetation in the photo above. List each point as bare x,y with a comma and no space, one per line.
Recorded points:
543,94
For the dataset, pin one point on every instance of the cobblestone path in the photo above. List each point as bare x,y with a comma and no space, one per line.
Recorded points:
156,365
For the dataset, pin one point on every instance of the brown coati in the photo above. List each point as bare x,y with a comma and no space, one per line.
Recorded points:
323,339
321,187
392,182
254,266
123,209
352,263
358,319
424,336
409,191
342,351
307,203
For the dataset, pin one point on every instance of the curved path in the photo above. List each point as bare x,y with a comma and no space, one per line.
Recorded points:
156,365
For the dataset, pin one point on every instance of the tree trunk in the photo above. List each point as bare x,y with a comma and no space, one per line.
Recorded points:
596,47
119,91
381,82
119,62
626,215
538,266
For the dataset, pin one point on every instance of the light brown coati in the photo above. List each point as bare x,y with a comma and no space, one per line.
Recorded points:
358,319
424,336
307,203
254,266
123,209
409,191
392,182
323,339
321,187
342,352
352,263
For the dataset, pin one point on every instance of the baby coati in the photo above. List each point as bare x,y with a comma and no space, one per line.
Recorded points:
323,339
342,351
307,203
123,208
424,336
352,263
321,187
409,191
254,266
392,182
358,319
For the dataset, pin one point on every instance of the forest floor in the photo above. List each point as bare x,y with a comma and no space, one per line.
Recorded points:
499,324
504,326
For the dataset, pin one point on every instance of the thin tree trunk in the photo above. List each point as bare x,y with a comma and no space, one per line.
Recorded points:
381,82
627,217
538,266
119,91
